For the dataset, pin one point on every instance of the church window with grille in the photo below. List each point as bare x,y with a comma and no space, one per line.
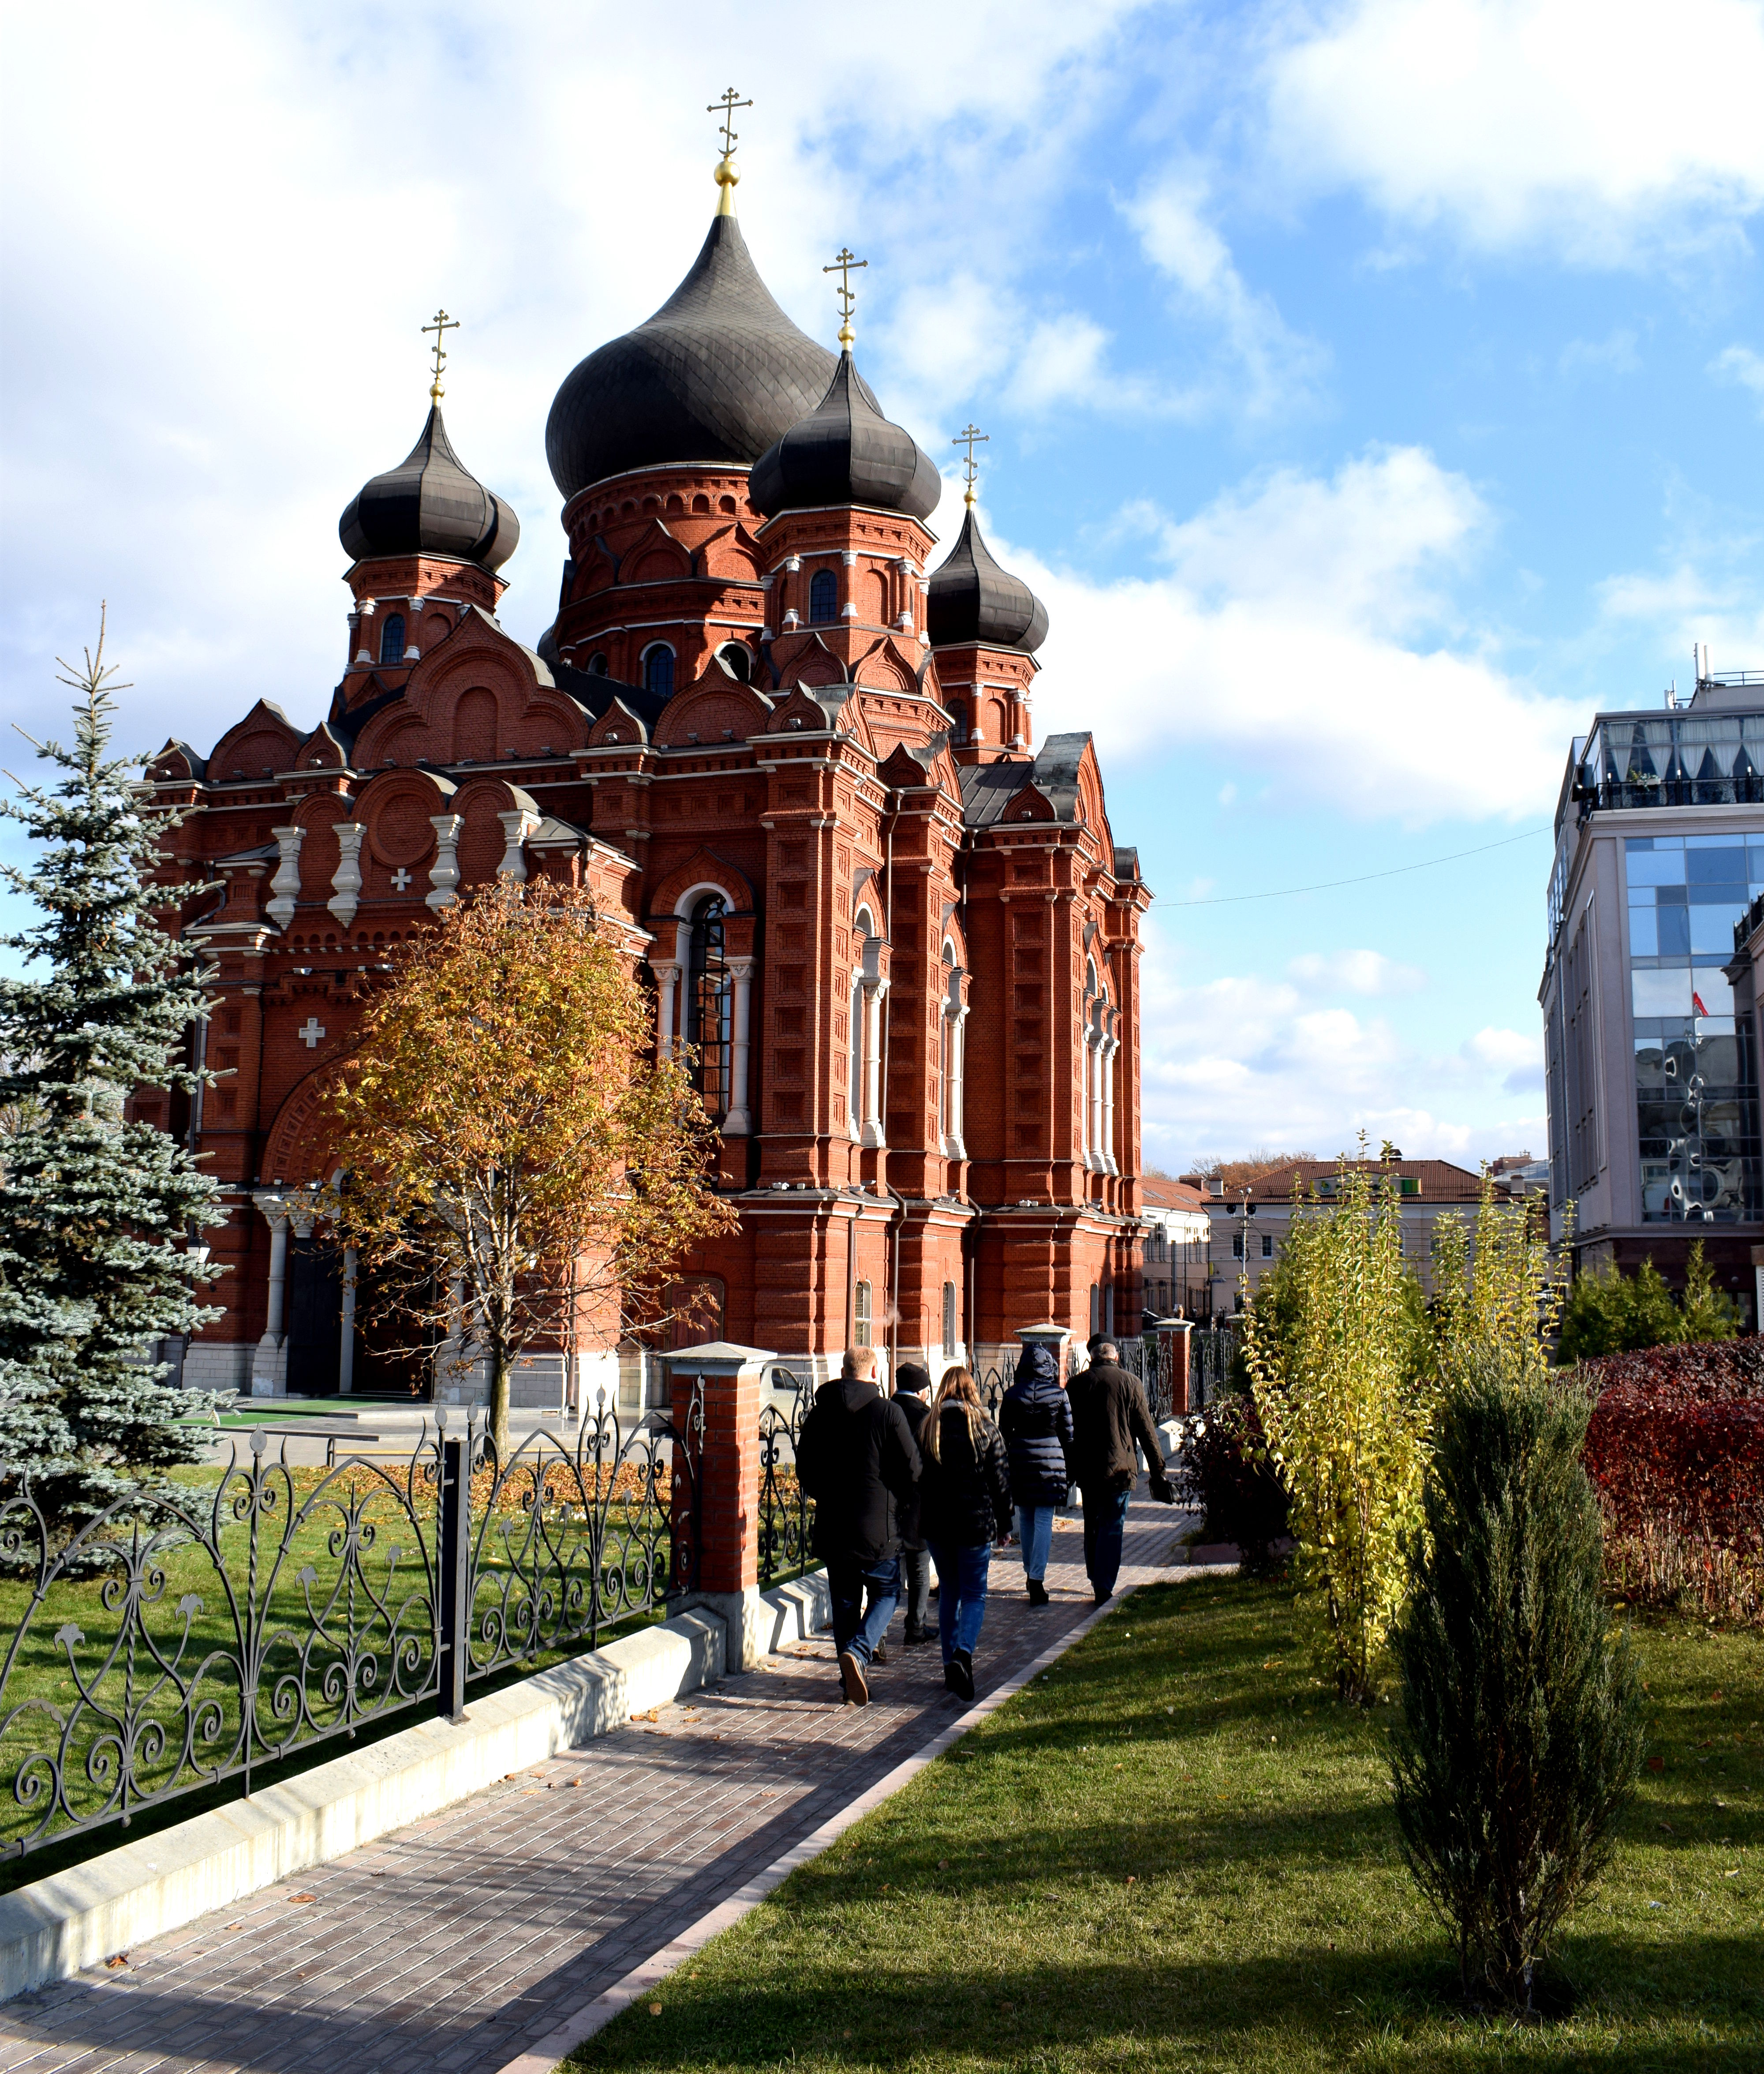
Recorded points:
659,670
707,994
392,639
823,597
861,1324
949,1321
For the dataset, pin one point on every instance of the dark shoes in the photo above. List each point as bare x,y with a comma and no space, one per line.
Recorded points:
879,1653
1103,1598
851,1676
959,1674
915,1637
1038,1592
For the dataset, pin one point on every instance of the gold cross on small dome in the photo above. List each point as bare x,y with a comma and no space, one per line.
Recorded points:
845,266
970,436
440,325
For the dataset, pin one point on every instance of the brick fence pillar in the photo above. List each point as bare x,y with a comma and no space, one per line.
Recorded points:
727,1495
1173,1349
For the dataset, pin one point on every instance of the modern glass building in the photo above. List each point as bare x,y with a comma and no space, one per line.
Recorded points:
1653,1068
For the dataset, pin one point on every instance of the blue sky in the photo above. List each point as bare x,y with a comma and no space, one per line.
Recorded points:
1374,390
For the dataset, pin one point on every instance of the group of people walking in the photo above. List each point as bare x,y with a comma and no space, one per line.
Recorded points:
902,1486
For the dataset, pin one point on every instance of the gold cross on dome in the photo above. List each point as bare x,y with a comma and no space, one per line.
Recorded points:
845,266
970,436
729,104
440,325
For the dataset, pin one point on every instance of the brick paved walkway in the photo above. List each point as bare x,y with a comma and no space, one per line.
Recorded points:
456,1944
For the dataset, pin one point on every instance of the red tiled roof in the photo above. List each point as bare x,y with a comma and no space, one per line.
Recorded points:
1164,1195
1440,1181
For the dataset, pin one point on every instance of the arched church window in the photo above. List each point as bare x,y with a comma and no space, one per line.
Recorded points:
949,1321
863,1323
958,713
708,1003
823,597
737,660
392,639
659,670
597,663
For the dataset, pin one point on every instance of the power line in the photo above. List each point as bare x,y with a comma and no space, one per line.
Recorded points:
1327,885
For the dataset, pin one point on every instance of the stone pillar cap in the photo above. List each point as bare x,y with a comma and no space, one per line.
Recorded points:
1048,1332
724,1352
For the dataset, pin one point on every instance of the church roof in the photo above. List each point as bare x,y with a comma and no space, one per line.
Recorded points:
430,504
845,451
717,373
988,789
973,600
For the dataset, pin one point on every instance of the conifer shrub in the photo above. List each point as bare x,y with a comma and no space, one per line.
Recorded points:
1608,1312
1521,1733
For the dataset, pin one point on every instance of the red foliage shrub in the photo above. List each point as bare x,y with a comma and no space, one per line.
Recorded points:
1675,1450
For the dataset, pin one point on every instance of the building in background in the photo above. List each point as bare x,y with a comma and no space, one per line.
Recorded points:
1177,1233
1652,1074
1248,1224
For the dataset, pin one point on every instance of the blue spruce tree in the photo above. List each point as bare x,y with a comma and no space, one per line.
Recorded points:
100,1219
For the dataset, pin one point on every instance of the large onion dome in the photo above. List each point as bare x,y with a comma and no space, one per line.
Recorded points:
430,504
974,600
845,451
717,374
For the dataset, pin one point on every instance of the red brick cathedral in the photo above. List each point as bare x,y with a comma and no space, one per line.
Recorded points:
793,753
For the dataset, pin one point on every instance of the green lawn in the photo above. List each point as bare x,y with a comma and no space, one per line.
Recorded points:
1176,1852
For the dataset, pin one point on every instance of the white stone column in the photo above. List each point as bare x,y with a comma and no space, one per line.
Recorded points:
958,1078
666,972
346,880
285,887
738,1123
346,1352
517,825
444,873
873,991
1111,1046
269,1365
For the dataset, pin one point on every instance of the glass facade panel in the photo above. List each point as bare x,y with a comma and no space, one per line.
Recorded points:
1696,1092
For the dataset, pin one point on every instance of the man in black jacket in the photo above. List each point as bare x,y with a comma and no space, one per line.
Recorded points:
858,1461
912,1385
1108,1416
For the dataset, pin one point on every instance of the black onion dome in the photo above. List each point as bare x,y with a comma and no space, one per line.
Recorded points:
716,374
973,600
845,451
430,504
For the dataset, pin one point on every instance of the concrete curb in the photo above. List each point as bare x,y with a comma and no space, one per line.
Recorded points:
57,1926
594,2016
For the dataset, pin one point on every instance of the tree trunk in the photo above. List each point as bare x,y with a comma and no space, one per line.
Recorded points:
500,1366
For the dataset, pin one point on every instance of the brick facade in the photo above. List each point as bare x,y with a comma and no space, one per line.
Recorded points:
921,991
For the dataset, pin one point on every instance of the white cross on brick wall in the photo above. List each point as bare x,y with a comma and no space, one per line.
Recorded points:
310,1034
401,878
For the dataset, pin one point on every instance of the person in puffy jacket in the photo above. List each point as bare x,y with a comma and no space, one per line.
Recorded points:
964,1506
911,1384
1036,1421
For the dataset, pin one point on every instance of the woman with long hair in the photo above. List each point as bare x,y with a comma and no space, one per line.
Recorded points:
964,1506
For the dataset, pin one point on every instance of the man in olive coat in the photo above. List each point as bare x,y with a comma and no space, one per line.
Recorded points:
1110,1418
857,1461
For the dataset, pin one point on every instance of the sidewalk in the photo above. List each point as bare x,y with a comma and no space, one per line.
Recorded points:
455,1944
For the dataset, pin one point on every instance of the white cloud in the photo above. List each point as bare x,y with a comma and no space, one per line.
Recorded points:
1355,972
1741,364
1235,1061
1605,130
1306,625
1247,348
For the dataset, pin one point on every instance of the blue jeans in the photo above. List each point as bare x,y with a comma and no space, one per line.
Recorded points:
1035,1532
847,1580
961,1602
1106,1518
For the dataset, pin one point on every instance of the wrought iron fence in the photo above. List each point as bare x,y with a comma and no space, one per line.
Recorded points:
1211,1350
180,1639
786,1512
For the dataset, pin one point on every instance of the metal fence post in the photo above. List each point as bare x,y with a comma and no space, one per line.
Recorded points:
455,1566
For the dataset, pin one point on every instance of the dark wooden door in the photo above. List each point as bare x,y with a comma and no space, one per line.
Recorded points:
315,1318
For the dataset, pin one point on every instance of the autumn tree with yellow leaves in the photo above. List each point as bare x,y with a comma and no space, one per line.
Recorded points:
514,1159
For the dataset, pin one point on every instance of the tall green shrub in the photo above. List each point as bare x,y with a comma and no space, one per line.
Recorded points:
1346,1413
1521,1732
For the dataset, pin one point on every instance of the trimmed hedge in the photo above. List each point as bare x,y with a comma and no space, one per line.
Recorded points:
1675,1450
